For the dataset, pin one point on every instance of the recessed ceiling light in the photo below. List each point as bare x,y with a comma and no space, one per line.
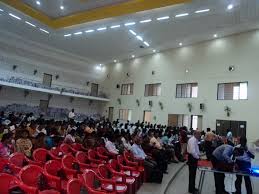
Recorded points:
115,26
132,56
130,24
14,16
163,18
145,21
182,15
146,43
140,38
180,44
89,31
154,51
132,32
202,11
78,33
215,35
100,65
62,7
230,6
44,31
30,24
101,29
115,61
38,2
66,35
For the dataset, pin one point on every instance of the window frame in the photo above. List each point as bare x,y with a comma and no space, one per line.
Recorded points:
233,91
186,84
131,89
128,111
149,92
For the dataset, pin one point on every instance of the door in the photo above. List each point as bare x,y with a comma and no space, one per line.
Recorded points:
147,116
238,128
172,120
47,80
94,89
110,114
44,104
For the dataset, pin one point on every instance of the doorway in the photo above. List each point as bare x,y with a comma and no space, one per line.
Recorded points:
147,116
238,128
110,114
196,122
47,80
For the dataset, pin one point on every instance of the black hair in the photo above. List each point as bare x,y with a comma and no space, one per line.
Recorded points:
6,136
243,141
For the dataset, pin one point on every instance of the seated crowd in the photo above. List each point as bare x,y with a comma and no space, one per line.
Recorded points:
155,145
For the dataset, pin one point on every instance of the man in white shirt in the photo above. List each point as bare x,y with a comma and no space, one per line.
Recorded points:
193,157
71,115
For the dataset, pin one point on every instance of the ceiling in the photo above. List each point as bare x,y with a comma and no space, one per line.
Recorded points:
105,46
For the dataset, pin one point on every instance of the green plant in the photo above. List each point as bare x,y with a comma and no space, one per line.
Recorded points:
227,110
119,100
138,102
189,105
161,105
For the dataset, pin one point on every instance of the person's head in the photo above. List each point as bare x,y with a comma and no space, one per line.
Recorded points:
40,136
25,134
73,110
238,151
197,134
72,132
208,129
7,138
243,141
138,140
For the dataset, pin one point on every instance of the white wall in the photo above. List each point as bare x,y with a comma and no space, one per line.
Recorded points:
208,64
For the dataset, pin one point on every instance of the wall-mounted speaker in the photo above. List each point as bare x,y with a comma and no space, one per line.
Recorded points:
153,72
150,103
202,106
118,86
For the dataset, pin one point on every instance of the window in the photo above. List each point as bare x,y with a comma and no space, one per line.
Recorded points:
94,89
47,79
153,89
127,89
189,90
232,91
125,114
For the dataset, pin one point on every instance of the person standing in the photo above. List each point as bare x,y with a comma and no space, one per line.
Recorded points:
71,115
193,157
209,138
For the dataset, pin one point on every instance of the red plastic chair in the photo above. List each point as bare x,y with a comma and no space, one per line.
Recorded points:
67,165
40,155
53,167
74,186
8,181
20,160
94,181
104,154
127,170
93,157
108,173
65,148
55,153
49,192
29,175
78,147
83,160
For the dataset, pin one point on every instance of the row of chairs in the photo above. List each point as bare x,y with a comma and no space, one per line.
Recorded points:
67,168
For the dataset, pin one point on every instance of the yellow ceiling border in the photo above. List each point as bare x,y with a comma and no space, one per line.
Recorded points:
125,8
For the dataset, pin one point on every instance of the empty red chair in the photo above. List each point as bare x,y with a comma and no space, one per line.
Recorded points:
94,181
55,153
65,148
74,186
129,171
20,160
8,182
83,160
103,152
93,157
108,173
78,147
41,155
68,164
30,175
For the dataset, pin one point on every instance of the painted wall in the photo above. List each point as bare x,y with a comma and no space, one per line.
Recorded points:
207,64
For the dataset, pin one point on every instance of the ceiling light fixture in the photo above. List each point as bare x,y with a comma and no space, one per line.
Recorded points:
146,43
145,21
130,24
78,33
30,24
100,65
44,31
62,7
202,11
89,31
38,2
66,35
140,38
14,16
187,71
132,32
115,61
1,10
215,36
115,26
230,6
101,29
182,15
154,50
163,18
180,44
132,56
